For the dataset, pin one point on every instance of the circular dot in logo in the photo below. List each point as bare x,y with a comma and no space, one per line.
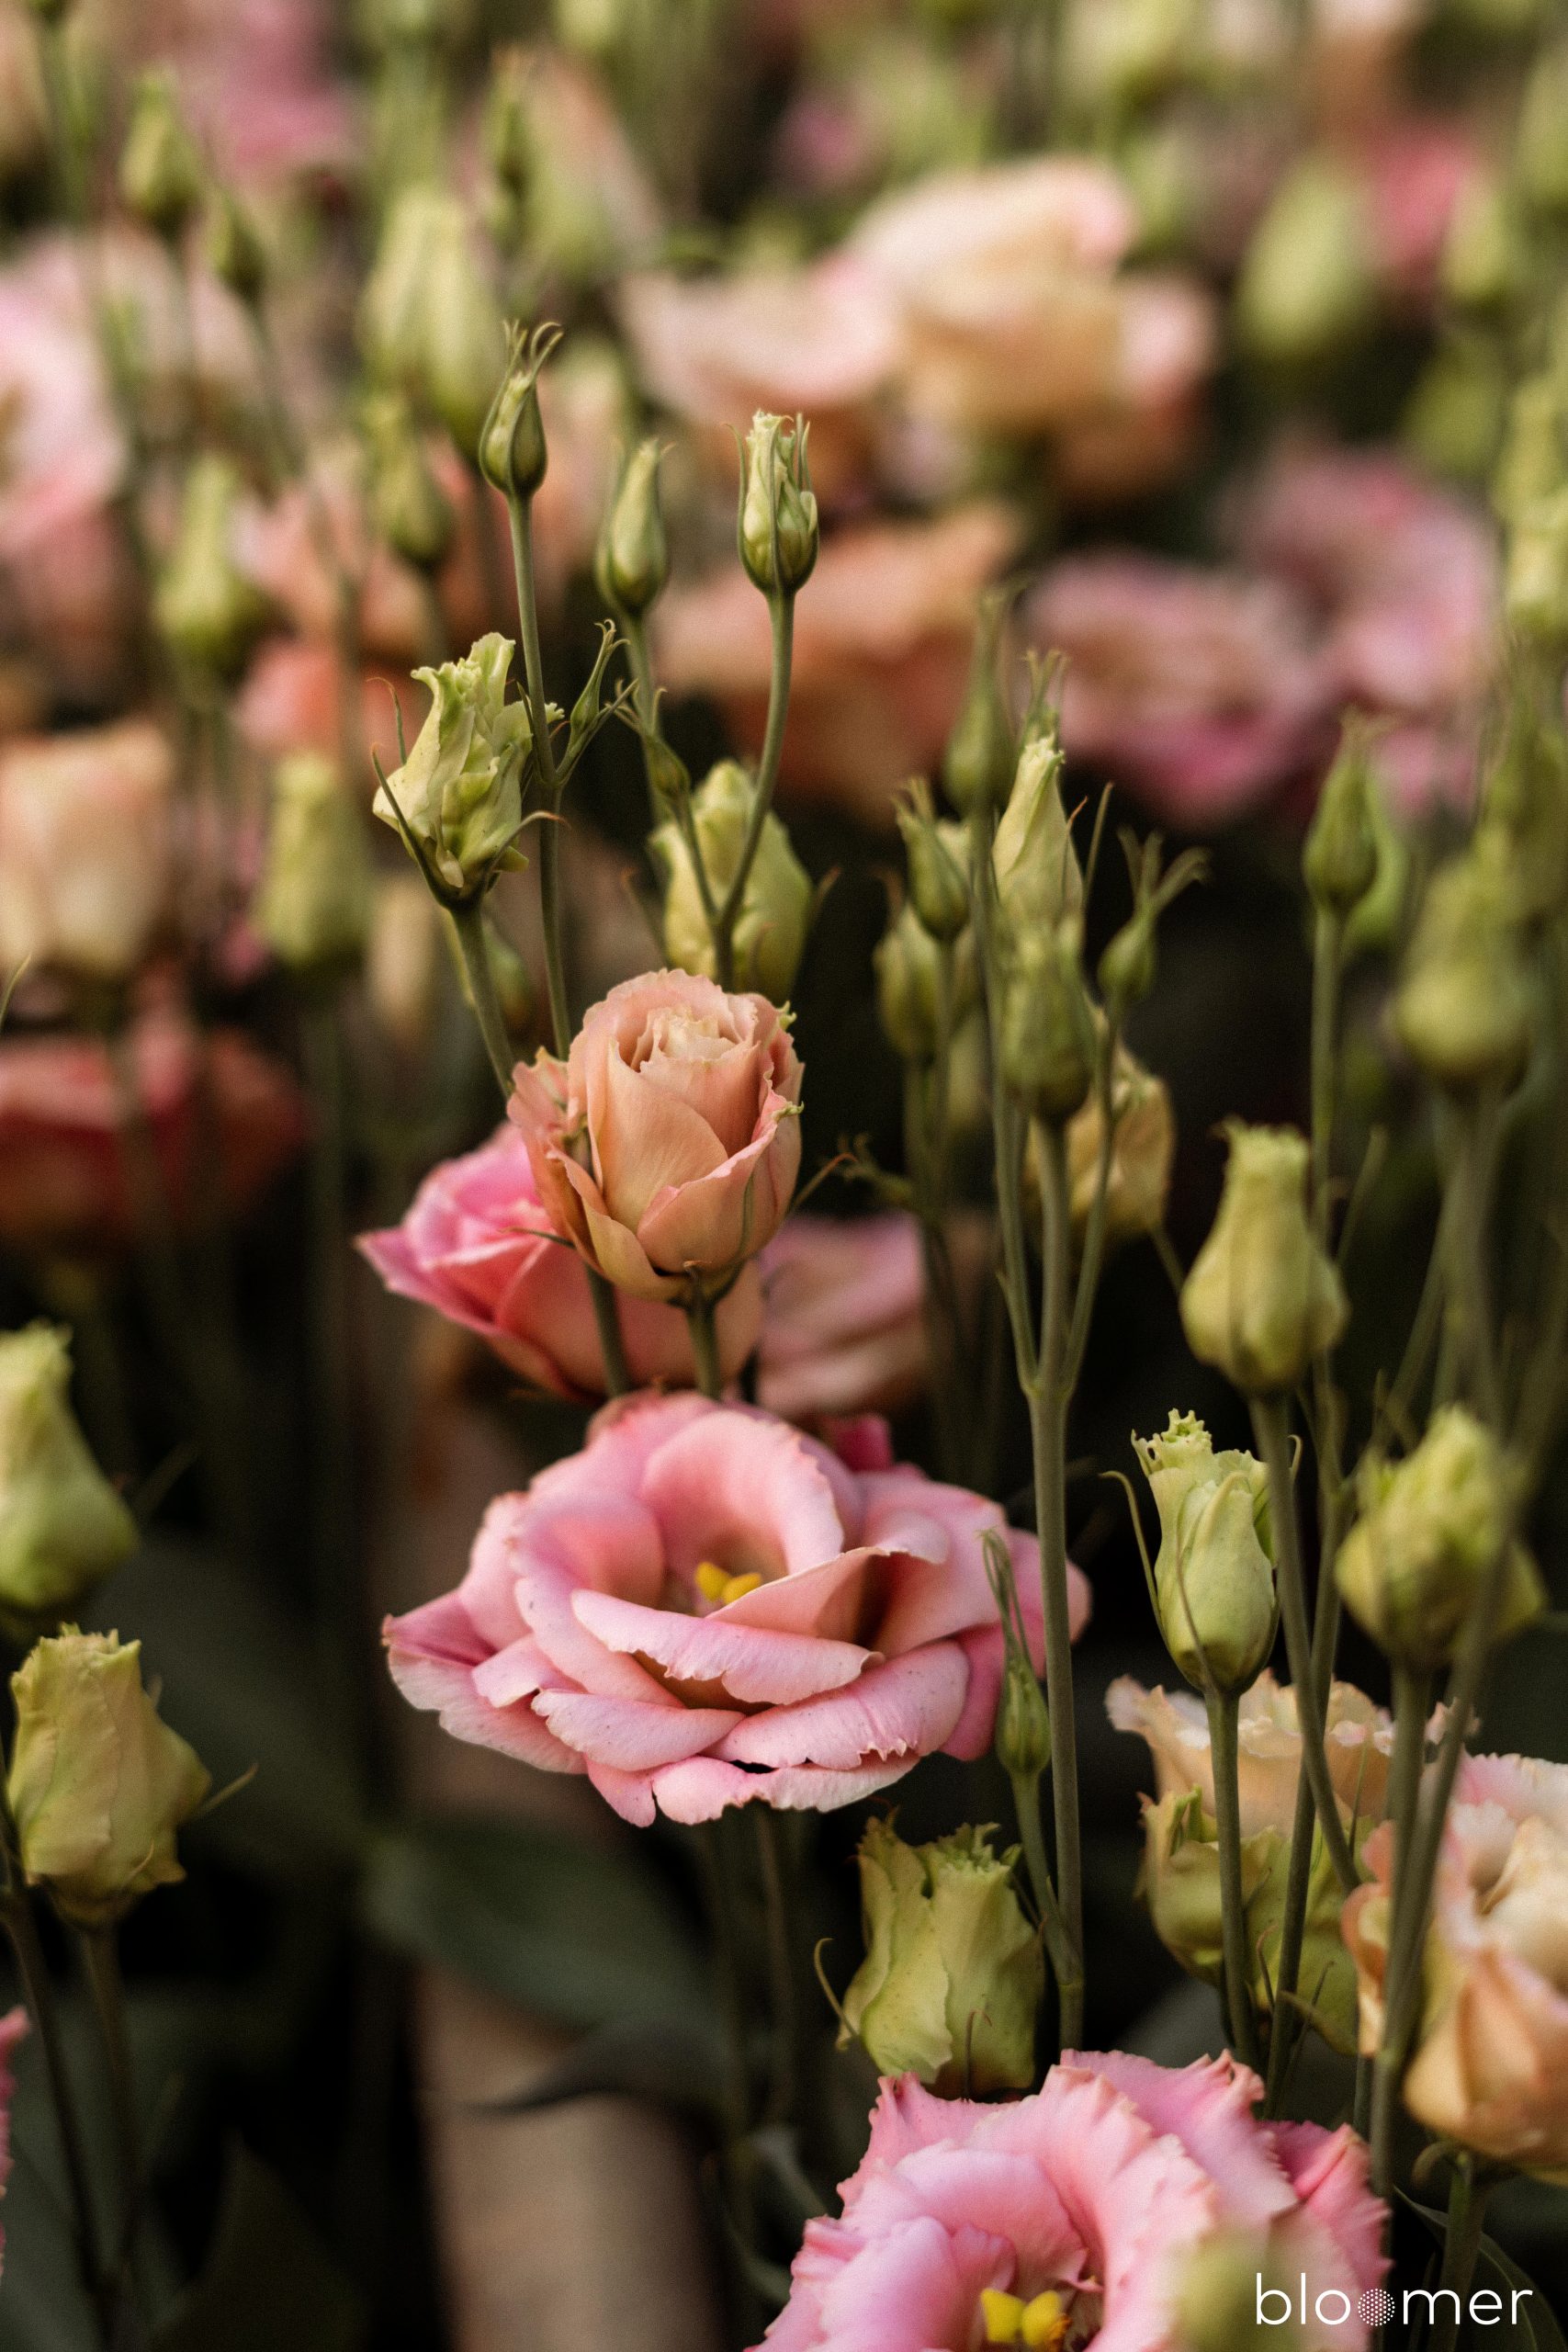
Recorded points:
1376,2307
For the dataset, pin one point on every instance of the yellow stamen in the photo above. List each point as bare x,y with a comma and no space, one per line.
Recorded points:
711,1579
1044,2323
735,1588
1003,2313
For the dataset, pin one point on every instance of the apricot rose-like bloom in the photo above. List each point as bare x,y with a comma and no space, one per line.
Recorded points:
1096,2190
477,1246
705,1608
87,847
1490,2063
1358,1738
684,1101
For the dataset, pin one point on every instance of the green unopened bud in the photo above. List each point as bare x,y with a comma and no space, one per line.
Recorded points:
1466,1002
403,961
428,318
508,139
457,797
1306,287
1048,1030
1039,878
161,177
1220,2298
410,508
778,530
1023,1735
1453,421
62,1527
632,563
513,451
769,930
1524,810
234,250
1535,582
953,1973
1484,264
936,854
210,613
1143,1146
978,771
1339,861
908,986
1378,924
1263,1298
1126,969
99,1784
1532,464
1215,1572
1540,154
313,907
1179,1881
1430,1531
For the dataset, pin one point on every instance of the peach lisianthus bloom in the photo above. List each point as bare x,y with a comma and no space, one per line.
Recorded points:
685,1101
1098,2190
705,1608
1358,1739
1489,2067
477,1246
87,849
883,632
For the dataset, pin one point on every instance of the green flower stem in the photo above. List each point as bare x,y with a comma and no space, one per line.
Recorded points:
1026,1805
926,1158
1467,2224
1223,1709
704,1342
1412,1701
1470,1291
781,610
1298,1881
1094,1232
1328,947
1270,1425
520,513
783,1994
1048,1431
646,702
470,923
1006,1128
103,1981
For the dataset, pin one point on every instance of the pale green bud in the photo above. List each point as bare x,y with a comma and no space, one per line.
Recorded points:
513,454
1218,2296
777,529
409,506
1428,1533
160,177
313,907
1306,287
1531,465
978,771
1339,859
234,249
953,1973
458,794
1485,262
1524,810
62,1527
1214,1569
1465,1007
1263,1298
210,613
1180,1880
428,319
1454,418
1535,582
908,963
508,139
98,1785
1039,878
937,861
632,563
1047,1029
770,931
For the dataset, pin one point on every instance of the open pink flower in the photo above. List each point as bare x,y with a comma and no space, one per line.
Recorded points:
1098,2187
13,2027
477,1246
705,1608
844,1327
684,1102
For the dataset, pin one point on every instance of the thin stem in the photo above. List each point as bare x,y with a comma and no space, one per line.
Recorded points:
781,1967
704,1342
719,1901
38,1992
1008,1137
1298,1882
1270,1425
1094,1232
1224,1747
1026,1805
1411,1698
108,2003
1471,1292
470,923
520,513
780,608
1467,2224
1329,942
1048,1419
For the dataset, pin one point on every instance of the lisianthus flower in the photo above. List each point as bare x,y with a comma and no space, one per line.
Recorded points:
1081,2206
705,1608
87,847
1358,1739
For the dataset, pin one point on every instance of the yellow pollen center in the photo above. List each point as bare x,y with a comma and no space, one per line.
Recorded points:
1040,2324
715,1584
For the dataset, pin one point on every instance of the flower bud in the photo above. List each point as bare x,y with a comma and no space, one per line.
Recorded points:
457,797
1532,464
1048,1030
1540,154
777,529
908,963
428,319
1215,1572
978,770
508,140
403,961
1524,811
1466,1003
98,1785
769,930
632,563
1022,1736
513,451
1263,1298
1535,581
409,506
234,250
1219,2296
62,1527
1306,287
1142,1147
1179,1881
1453,420
1485,262
210,613
313,907
1339,860
159,170
953,1973
1126,967
1039,878
1428,1533
939,883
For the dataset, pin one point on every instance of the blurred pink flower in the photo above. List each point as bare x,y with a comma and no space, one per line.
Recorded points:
687,1100
255,79
1414,169
87,847
289,702
1147,426
66,1177
477,1247
843,1324
882,638
13,2028
705,1608
1098,2187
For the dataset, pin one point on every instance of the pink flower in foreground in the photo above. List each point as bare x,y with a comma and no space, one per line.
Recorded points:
843,1325
1098,2187
685,1101
13,2027
705,1607
477,1246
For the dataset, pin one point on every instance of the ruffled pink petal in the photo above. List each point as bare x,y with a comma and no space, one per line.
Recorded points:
632,1734
917,2286
1330,2172
744,1490
432,1653
704,1788
748,1663
1209,2108
985,1654
905,1706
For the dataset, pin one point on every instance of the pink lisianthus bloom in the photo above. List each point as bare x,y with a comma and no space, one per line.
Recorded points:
87,848
883,632
254,81
477,1246
1489,2067
290,702
843,1323
1200,690
685,1101
13,2028
65,1173
1098,2187
1357,1737
1149,421
1415,170
705,1608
